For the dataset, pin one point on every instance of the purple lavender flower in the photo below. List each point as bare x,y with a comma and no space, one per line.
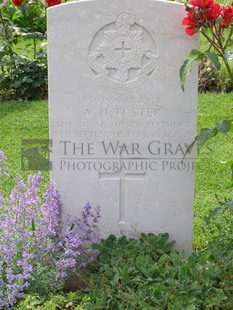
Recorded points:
38,247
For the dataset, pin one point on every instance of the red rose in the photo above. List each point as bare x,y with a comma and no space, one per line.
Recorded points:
53,2
201,3
17,2
227,15
192,21
199,14
207,8
213,11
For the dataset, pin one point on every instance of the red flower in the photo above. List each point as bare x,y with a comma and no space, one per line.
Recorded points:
227,15
17,2
201,3
202,12
207,8
213,11
53,2
191,21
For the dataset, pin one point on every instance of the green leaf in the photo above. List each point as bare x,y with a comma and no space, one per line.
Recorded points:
224,126
17,84
185,71
33,225
28,80
189,149
214,59
196,55
213,213
206,134
186,67
18,14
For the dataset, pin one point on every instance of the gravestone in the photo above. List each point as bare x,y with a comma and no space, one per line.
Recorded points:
119,121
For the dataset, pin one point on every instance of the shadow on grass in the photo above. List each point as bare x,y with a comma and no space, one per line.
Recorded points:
10,107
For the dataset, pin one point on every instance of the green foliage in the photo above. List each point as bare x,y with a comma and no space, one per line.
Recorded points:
196,55
148,274
31,17
216,33
23,58
26,79
215,221
72,301
186,67
225,206
213,59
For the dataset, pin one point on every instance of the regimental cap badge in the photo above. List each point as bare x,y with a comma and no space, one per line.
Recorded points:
122,60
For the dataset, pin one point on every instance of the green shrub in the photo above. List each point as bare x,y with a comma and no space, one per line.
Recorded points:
148,274
23,58
24,79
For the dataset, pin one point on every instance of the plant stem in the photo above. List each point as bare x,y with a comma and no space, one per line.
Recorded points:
82,278
211,41
223,50
34,48
228,39
6,33
220,48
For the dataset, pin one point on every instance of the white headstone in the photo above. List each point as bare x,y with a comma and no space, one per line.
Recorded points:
119,121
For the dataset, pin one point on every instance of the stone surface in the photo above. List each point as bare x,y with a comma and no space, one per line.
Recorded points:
119,121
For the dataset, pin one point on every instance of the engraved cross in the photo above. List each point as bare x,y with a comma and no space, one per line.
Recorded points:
122,177
123,48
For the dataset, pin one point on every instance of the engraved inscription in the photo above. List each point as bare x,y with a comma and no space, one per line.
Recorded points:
118,175
122,60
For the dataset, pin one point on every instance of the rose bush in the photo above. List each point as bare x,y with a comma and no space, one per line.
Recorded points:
214,22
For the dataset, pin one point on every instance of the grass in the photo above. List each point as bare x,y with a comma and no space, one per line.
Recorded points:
212,177
20,121
29,120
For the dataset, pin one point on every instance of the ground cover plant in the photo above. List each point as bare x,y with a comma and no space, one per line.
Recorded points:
149,274
146,273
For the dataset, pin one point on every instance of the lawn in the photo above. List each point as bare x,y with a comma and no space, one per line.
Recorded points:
29,120
20,121
212,177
